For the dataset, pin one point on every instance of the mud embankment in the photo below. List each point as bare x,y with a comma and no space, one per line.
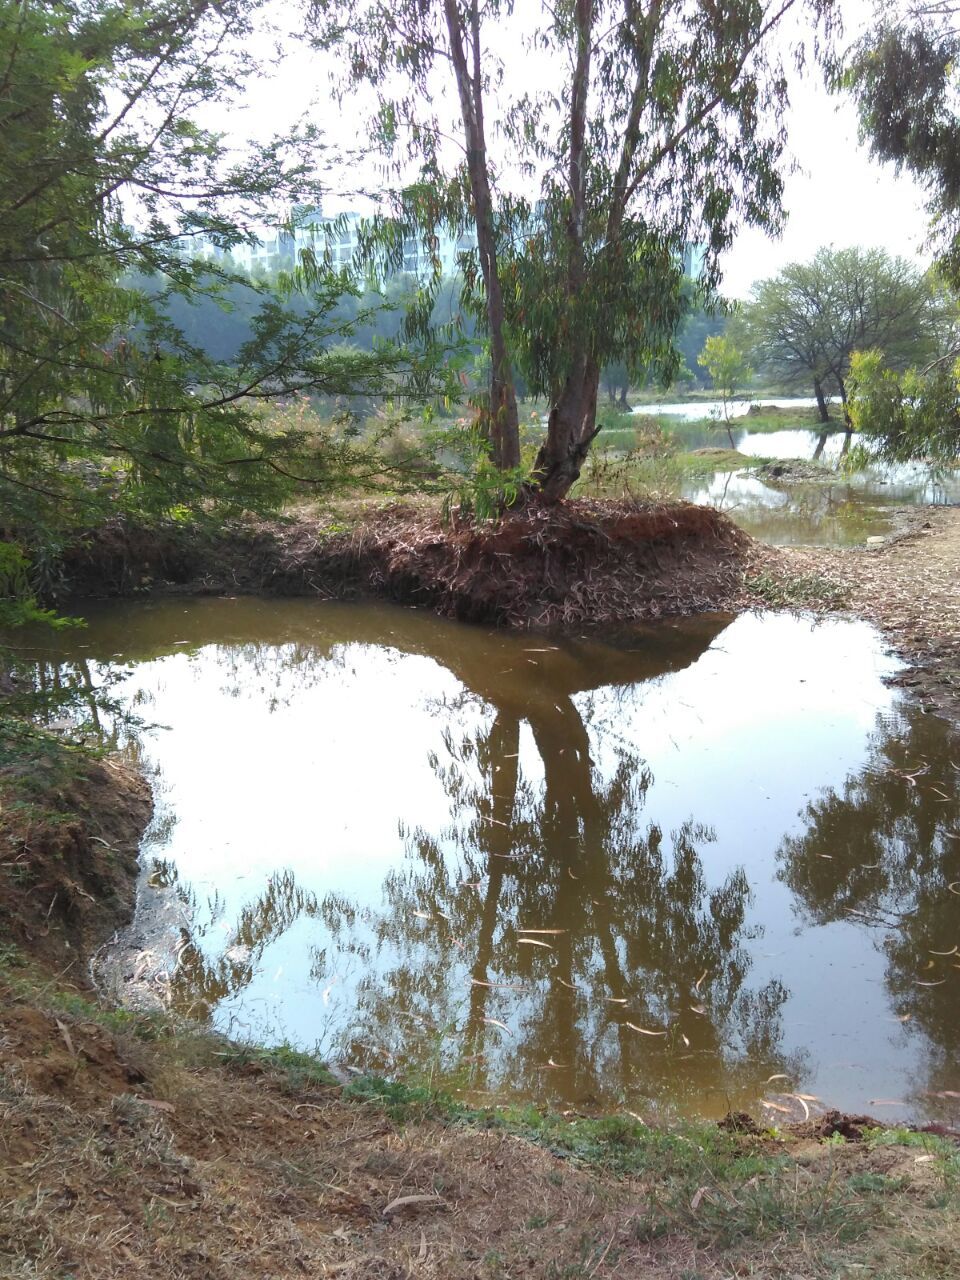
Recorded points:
70,830
542,566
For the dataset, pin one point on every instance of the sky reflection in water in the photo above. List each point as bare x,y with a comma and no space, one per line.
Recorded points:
740,835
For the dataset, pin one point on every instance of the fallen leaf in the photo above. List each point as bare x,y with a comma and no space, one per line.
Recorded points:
157,1104
550,932
952,952
778,1076
696,985
402,1202
886,1102
66,1038
698,1008
643,1030
533,942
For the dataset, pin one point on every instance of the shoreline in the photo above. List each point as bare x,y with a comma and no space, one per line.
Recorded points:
202,1158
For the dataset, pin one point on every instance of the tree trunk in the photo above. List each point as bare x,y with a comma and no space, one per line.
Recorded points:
622,402
503,418
822,407
571,429
847,422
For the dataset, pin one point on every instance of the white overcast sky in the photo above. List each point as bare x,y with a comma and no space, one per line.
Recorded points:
836,194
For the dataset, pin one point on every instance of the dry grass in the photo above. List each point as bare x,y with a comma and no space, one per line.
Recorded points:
174,1157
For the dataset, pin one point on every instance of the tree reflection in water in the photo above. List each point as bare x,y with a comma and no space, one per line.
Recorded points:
546,832
883,852
640,937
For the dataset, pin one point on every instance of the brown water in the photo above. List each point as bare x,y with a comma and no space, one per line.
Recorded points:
737,843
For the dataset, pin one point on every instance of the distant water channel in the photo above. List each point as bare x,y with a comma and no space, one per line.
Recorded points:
689,866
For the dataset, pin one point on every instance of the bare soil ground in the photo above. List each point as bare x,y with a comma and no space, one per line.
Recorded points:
909,587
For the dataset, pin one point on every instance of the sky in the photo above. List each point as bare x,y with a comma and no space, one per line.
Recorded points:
836,194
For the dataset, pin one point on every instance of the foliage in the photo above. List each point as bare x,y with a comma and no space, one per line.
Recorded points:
664,129
915,414
805,323
105,170
729,369
904,76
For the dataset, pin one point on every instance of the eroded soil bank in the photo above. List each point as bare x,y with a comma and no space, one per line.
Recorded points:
583,562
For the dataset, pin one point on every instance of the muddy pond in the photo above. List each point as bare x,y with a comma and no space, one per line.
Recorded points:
694,866
837,510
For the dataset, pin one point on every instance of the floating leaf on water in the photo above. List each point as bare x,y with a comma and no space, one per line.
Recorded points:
423,915
616,1000
698,1008
905,1017
944,1093
507,986
643,1030
685,1040
954,888
546,931
696,985
886,1102
778,1076
494,1022
569,872
564,983
939,983
952,952
533,942
470,884
806,1097
775,1106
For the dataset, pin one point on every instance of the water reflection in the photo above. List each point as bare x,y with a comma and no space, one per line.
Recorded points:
884,850
507,860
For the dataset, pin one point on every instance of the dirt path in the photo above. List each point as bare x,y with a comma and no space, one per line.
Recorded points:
909,587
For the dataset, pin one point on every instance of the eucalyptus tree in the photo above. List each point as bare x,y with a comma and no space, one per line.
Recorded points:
634,130
903,73
106,168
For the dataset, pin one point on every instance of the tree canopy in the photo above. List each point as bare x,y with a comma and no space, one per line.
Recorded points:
105,404
904,76
659,126
804,324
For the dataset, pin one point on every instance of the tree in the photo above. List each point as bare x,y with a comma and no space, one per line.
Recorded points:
105,404
904,76
664,129
728,367
911,415
805,324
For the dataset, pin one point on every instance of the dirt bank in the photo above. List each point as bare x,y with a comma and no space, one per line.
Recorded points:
70,829
908,586
582,562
